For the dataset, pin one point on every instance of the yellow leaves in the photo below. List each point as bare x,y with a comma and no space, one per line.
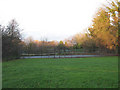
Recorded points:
107,39
79,37
105,27
36,41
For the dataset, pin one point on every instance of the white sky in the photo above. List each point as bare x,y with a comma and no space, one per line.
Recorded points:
53,19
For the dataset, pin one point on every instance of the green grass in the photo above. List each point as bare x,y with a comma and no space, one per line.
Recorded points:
94,72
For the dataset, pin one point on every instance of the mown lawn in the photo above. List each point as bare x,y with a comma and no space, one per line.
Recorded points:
94,72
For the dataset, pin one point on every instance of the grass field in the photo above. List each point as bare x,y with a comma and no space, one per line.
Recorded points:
94,72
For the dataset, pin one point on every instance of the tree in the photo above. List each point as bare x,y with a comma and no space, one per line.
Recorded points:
11,40
60,47
114,11
29,45
78,40
89,45
105,27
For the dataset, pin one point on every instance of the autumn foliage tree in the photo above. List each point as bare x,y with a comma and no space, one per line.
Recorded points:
105,26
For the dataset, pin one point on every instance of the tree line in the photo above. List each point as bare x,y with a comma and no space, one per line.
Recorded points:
101,36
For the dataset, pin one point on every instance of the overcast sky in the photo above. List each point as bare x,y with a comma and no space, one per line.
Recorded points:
52,19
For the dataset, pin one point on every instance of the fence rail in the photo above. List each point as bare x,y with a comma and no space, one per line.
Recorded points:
68,53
